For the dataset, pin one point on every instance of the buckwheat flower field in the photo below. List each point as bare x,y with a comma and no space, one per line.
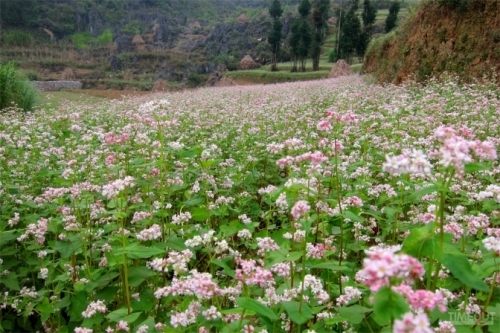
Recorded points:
323,206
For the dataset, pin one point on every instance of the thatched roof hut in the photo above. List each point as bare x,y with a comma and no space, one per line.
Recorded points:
137,40
341,68
68,74
225,82
242,18
160,86
248,63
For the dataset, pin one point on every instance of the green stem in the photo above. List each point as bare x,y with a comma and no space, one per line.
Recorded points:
488,300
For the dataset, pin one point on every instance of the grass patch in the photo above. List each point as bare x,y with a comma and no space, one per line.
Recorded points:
262,76
55,99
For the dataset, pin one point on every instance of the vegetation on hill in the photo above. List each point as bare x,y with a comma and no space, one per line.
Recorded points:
462,37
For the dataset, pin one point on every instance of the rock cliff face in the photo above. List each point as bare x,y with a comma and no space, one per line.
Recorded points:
439,38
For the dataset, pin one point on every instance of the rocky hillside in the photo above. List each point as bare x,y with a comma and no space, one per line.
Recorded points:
440,37
130,40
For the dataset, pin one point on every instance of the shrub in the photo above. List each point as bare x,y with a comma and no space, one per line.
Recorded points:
81,40
30,75
105,38
15,90
18,38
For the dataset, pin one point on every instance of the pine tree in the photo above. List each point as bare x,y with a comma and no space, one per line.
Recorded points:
392,18
319,16
300,40
274,37
294,44
304,43
368,16
350,32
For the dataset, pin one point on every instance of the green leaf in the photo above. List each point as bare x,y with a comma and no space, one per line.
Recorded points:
354,314
259,308
107,294
279,256
226,269
146,301
138,274
121,314
353,217
94,320
299,315
7,236
79,303
232,327
420,193
176,244
10,281
139,252
331,265
194,202
238,311
229,230
473,167
45,309
389,305
200,214
66,249
420,241
460,267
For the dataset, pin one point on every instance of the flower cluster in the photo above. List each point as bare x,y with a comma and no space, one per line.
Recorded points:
383,265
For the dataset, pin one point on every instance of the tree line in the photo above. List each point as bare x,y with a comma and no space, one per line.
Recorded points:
308,31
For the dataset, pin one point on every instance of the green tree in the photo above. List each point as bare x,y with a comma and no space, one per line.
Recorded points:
319,16
300,40
350,32
304,8
274,37
294,44
304,43
369,14
15,90
392,18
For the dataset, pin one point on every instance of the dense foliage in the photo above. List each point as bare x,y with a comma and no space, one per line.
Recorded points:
15,91
325,206
275,35
392,18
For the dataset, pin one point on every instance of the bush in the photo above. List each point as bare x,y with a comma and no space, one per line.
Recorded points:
30,75
18,38
81,40
105,38
15,90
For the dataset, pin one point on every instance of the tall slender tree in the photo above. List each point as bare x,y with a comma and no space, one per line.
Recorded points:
350,32
300,40
319,16
368,16
392,18
294,44
274,37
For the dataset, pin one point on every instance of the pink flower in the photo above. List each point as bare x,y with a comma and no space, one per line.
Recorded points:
110,159
383,265
411,323
324,125
93,308
122,326
252,274
300,208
